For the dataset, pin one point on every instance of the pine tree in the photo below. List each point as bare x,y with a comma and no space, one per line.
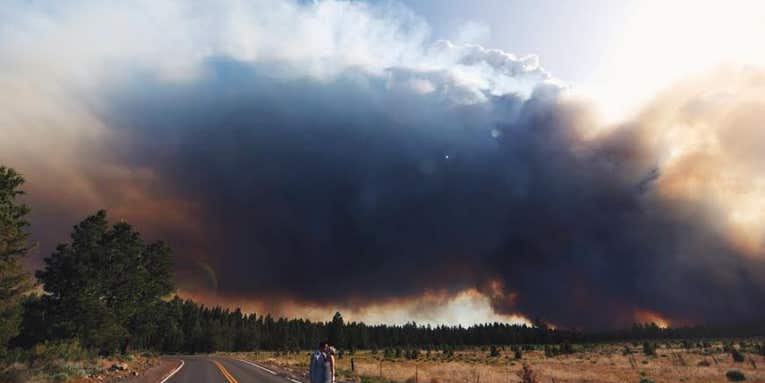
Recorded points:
14,282
103,285
337,331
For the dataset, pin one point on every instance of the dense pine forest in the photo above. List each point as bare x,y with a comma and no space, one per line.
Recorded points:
108,290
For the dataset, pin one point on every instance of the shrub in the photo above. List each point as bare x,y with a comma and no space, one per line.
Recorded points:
645,380
494,351
649,349
44,354
735,375
373,379
526,374
518,354
738,357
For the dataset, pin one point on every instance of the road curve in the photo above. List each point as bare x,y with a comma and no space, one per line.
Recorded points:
216,369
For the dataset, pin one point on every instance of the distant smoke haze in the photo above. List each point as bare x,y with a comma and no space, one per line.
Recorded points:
302,158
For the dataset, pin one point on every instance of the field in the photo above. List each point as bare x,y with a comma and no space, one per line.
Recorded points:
617,362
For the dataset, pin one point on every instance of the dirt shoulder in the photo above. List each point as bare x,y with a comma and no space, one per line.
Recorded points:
139,370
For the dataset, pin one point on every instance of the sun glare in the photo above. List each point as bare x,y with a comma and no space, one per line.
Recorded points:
663,41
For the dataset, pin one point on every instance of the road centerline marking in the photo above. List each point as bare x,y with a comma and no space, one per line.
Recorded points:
224,372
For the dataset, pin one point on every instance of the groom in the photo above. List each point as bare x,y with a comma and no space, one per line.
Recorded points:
316,367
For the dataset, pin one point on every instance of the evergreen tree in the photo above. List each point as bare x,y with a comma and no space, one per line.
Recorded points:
337,331
104,286
14,282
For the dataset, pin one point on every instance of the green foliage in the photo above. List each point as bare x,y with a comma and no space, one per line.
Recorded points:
563,348
46,355
14,282
494,351
413,354
735,375
49,361
103,288
645,380
737,356
649,349
336,333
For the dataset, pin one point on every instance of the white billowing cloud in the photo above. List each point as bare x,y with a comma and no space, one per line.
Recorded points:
88,41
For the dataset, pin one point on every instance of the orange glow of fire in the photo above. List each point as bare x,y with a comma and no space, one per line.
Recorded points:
648,316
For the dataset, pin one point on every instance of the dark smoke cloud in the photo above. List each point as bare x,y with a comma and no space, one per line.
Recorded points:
302,182
448,168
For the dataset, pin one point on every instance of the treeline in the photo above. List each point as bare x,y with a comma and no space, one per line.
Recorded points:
107,289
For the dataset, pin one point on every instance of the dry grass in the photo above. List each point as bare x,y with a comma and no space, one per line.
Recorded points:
594,363
79,370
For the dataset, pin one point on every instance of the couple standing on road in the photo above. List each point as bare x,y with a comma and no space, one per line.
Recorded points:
322,364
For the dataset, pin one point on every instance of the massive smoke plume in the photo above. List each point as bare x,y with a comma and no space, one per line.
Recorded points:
332,154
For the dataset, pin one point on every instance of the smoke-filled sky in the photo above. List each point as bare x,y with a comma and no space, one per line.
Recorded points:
397,162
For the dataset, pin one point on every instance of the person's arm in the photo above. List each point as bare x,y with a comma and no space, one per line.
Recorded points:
332,366
311,368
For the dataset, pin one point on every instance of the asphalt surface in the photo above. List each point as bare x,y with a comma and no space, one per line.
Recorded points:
208,369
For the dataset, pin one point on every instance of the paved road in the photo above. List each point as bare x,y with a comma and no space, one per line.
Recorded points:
209,369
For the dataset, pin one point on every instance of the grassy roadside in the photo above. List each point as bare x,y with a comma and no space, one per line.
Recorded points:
67,361
670,361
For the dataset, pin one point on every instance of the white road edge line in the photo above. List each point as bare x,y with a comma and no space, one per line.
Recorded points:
295,381
256,365
173,372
